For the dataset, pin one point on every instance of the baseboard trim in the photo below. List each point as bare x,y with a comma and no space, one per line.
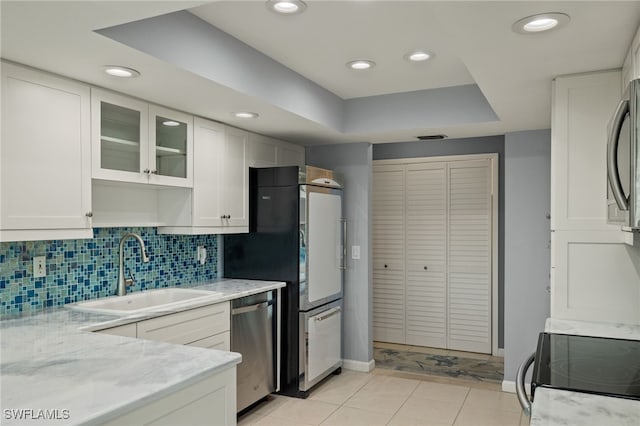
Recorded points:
510,386
353,365
499,352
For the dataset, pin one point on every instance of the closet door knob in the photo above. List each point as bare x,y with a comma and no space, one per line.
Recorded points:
385,266
425,268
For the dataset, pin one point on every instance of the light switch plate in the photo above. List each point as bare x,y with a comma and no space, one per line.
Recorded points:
355,252
39,266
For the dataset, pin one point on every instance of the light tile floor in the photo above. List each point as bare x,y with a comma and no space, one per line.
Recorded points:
385,397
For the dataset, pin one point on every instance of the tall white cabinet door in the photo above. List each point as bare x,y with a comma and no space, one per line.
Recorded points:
388,253
469,263
426,249
208,145
582,107
46,154
235,175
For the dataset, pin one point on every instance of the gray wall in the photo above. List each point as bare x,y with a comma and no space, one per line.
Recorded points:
354,162
527,258
483,145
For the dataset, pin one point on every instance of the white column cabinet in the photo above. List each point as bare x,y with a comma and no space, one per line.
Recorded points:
45,166
594,275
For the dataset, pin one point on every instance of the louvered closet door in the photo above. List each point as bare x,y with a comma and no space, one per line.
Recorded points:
426,245
470,256
388,254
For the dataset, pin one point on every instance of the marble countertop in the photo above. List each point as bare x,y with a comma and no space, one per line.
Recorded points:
50,362
554,407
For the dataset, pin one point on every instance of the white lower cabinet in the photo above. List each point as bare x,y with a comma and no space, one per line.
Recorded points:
211,401
45,166
187,327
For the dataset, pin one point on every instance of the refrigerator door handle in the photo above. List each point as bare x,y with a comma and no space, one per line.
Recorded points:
343,263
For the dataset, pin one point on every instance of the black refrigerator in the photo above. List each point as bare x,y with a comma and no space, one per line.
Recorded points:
297,235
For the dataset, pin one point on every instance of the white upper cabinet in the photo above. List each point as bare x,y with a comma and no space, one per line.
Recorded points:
219,200
140,143
582,107
234,178
45,166
269,152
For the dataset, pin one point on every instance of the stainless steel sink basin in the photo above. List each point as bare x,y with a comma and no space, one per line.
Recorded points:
145,301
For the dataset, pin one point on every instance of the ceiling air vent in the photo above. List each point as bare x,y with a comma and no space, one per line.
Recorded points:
431,137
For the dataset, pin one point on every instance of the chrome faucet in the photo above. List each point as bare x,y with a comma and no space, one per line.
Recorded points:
122,283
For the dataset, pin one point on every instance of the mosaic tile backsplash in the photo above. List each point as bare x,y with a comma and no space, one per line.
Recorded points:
87,269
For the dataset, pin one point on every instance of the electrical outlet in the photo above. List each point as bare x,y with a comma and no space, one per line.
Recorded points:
39,266
355,252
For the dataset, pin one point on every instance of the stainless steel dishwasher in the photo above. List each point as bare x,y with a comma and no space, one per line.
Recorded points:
252,334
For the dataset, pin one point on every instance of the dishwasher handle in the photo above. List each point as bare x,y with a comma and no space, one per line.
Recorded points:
525,403
250,308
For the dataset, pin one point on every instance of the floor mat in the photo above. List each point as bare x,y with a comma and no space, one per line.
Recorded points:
439,365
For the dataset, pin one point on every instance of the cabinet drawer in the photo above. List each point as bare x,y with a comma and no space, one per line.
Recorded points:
220,341
186,327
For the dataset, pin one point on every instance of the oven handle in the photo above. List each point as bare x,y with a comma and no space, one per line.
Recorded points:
525,403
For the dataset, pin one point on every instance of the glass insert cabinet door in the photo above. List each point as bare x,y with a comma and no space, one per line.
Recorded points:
171,135
134,141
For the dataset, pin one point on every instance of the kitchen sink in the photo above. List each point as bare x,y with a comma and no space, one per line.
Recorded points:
145,301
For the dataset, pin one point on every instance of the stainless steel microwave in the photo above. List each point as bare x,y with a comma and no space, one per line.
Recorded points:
623,176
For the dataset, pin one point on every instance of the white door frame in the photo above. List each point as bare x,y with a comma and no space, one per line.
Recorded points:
493,158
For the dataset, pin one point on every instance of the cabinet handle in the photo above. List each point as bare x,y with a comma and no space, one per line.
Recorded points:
89,214
154,172
147,171
228,216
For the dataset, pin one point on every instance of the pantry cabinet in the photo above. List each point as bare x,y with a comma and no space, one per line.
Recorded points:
594,274
136,142
45,166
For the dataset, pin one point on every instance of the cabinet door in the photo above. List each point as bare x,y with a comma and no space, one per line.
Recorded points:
470,256
208,149
426,254
45,163
234,179
171,147
388,254
262,151
120,137
290,155
582,107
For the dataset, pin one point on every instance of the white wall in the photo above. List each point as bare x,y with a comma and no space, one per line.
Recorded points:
527,245
354,161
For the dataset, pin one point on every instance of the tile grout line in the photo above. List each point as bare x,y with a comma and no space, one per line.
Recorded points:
461,407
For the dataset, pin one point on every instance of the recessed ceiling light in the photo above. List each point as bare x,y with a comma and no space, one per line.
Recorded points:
170,123
286,7
540,22
245,114
118,71
361,64
418,56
